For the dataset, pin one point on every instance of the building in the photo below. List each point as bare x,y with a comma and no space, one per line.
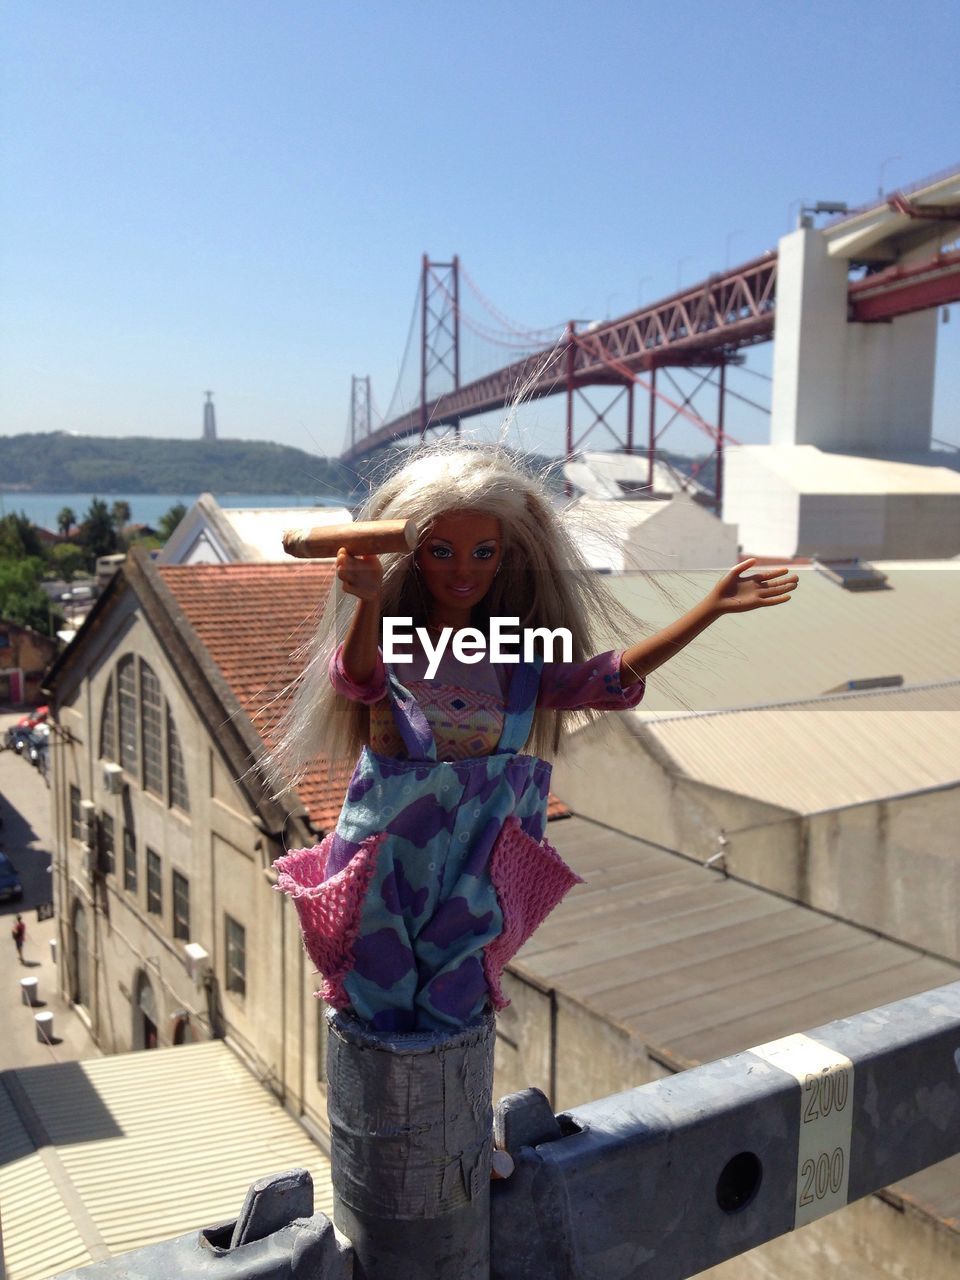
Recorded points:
851,468
165,834
81,1144
805,500
211,534
657,962
25,655
676,533
609,476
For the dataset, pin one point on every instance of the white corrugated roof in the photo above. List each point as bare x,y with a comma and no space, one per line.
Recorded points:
142,1147
819,640
261,529
824,753
599,475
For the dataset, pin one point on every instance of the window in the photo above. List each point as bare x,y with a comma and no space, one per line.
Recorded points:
154,884
108,725
236,957
127,697
108,854
129,860
138,723
151,719
76,814
79,958
181,907
179,796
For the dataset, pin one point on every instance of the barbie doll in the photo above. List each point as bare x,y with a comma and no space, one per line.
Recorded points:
437,870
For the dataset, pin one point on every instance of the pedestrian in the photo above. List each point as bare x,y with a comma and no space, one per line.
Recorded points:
19,932
437,870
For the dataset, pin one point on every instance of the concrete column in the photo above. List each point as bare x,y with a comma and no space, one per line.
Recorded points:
846,387
411,1138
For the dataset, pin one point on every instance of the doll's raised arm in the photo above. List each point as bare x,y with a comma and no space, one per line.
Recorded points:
361,576
731,594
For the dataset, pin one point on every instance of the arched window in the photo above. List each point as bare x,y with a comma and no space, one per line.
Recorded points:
151,724
137,720
79,957
108,725
127,699
145,1020
184,1032
179,796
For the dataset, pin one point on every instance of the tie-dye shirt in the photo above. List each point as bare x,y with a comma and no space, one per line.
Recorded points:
464,703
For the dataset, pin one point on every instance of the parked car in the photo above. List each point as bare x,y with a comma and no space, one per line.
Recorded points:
18,737
38,748
10,886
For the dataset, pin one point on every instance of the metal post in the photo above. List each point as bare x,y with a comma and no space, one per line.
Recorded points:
629,417
571,330
424,281
411,1136
456,326
719,466
652,434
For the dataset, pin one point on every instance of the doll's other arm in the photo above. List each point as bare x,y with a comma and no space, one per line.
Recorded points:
595,684
733,593
642,658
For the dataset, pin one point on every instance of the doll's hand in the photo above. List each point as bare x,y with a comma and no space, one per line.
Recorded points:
361,576
734,594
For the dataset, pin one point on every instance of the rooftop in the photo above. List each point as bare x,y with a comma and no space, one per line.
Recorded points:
252,620
261,529
823,638
118,1152
807,469
821,753
697,966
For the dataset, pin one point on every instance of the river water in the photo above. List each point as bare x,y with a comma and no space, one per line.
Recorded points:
146,508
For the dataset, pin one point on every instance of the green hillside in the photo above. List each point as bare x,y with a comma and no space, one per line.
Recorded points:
56,462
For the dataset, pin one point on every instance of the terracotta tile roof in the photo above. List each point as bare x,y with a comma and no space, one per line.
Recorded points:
252,619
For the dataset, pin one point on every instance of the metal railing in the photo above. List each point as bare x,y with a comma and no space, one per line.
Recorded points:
659,1182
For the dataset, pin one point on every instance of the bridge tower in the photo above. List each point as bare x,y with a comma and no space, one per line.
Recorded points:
846,387
360,423
439,332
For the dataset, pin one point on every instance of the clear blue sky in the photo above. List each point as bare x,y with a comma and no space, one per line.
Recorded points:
235,194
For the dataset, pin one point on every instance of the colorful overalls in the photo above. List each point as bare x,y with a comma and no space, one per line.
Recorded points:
436,874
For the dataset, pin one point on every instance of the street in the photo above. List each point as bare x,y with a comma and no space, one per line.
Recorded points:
26,839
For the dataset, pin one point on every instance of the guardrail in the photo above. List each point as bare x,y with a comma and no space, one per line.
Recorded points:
658,1182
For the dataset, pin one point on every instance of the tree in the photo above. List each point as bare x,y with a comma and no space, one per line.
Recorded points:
67,559
120,514
97,534
18,537
169,521
66,519
21,599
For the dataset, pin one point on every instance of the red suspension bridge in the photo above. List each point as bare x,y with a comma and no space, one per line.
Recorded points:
902,244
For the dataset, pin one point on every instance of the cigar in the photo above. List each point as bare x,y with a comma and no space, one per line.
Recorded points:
371,537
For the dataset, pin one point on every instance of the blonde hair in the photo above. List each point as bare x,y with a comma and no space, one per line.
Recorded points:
543,580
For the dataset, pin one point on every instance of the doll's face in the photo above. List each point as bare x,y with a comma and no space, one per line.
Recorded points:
458,557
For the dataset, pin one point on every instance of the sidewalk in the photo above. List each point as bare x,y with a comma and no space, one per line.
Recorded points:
25,837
